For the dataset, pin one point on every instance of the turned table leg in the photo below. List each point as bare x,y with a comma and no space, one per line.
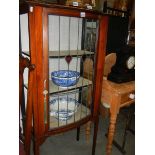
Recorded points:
111,132
114,109
88,131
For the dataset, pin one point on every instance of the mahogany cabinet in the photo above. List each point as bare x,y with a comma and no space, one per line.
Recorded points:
60,39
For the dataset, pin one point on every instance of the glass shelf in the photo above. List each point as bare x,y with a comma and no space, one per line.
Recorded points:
53,89
83,82
67,52
82,112
56,54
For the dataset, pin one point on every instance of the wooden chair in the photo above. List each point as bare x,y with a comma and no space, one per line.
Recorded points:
114,96
110,60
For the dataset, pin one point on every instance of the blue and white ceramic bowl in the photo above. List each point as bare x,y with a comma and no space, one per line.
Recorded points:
63,107
65,78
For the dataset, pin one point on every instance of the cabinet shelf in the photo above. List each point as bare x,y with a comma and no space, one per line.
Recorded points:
83,82
54,89
67,52
63,53
82,112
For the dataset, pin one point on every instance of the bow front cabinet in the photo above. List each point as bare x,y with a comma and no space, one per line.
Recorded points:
58,42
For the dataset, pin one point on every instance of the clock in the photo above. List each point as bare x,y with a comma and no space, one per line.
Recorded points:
124,68
130,63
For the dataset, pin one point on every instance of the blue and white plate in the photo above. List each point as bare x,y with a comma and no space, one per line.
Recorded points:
65,78
63,107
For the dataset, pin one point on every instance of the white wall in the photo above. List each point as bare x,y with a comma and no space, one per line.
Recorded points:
24,32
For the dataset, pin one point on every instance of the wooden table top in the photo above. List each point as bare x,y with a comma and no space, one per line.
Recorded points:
120,88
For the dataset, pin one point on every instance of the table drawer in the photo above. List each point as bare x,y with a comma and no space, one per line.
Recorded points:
127,97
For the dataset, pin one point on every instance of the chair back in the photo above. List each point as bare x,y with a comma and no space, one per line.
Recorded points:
110,60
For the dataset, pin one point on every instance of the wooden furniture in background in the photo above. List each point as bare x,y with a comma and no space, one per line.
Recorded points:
81,3
116,11
39,86
70,2
114,96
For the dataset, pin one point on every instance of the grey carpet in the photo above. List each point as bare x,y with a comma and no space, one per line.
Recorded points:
66,144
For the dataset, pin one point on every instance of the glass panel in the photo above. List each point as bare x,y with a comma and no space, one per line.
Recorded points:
72,43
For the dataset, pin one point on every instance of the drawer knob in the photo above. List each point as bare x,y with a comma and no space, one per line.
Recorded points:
132,96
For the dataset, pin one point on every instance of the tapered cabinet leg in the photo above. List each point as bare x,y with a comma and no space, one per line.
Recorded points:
111,133
78,133
36,148
95,135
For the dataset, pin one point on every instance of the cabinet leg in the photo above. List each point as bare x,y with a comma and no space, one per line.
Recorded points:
36,148
27,142
78,133
111,134
95,135
27,151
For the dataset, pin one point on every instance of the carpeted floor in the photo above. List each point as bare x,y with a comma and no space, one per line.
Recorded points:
66,144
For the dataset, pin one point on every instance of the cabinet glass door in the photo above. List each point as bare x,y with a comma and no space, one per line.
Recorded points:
71,52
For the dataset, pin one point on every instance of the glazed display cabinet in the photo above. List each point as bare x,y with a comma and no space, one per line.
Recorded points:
57,43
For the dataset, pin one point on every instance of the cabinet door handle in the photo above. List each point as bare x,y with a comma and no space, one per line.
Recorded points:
45,92
31,8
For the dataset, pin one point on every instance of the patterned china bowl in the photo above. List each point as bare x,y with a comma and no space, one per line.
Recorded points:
63,107
65,78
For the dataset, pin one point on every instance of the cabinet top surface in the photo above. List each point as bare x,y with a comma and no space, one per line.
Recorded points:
47,4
